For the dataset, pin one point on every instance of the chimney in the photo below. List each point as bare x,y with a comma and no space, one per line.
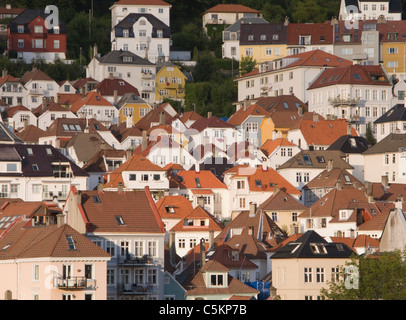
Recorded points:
115,97
211,238
4,73
264,166
60,220
368,188
162,118
95,50
129,122
197,167
200,201
286,23
120,187
100,186
172,247
209,114
339,185
202,253
144,144
253,209
399,202
385,181
330,164
44,103
315,117
300,111
247,103
349,129
275,188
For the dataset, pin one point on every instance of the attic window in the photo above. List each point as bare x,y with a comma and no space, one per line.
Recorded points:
357,76
320,159
297,245
120,220
96,199
71,242
250,37
6,246
170,209
307,160
97,98
347,178
318,248
258,183
197,180
29,151
35,167
121,83
285,105
49,151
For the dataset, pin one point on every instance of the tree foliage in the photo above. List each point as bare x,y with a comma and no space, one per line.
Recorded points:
247,64
381,277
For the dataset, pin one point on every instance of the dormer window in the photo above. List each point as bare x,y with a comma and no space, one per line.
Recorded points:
217,280
250,37
318,248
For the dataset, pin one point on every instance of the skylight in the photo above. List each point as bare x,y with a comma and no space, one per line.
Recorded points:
197,180
71,242
307,160
357,76
120,220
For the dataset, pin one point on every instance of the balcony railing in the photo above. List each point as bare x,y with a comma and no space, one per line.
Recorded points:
130,260
136,289
336,102
76,283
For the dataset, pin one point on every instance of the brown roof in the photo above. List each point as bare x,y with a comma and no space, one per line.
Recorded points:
329,179
136,208
190,115
57,127
389,193
321,33
36,75
68,98
207,180
281,201
271,145
50,106
281,103
291,119
30,134
11,111
143,2
212,122
152,116
198,213
49,241
107,87
223,255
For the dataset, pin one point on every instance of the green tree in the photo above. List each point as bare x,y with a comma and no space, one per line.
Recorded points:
369,136
380,277
205,69
309,11
273,12
247,64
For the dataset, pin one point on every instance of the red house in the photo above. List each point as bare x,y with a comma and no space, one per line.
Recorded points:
29,39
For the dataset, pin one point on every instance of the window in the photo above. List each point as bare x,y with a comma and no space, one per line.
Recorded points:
335,274
249,51
152,248
274,216
182,243
20,29
152,276
120,220
216,280
242,202
21,43
38,29
56,44
11,167
268,51
71,242
132,177
294,216
308,275
110,248
124,248
319,275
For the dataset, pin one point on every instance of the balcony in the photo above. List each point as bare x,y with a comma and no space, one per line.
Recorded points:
134,289
147,89
147,75
76,283
354,118
129,261
37,92
338,102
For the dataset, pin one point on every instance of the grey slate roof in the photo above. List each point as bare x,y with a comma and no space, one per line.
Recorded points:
397,113
350,144
235,27
25,17
391,143
116,57
40,157
128,23
302,248
6,136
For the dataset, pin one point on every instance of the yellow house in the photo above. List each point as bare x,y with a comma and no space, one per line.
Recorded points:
393,47
264,42
170,82
132,108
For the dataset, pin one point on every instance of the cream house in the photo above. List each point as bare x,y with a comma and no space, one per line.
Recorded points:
303,267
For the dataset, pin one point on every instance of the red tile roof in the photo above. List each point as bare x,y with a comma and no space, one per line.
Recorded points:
174,207
353,74
198,213
91,99
143,2
321,33
241,115
188,180
233,8
260,180
271,145
324,132
107,87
